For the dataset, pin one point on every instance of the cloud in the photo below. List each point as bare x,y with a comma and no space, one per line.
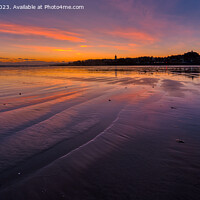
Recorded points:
23,61
147,15
121,47
85,46
134,35
16,59
42,48
62,50
2,58
27,59
52,33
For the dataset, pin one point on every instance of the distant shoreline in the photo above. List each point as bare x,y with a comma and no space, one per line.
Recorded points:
189,58
82,66
159,64
139,65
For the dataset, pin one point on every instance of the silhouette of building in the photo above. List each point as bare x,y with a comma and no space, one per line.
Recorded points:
189,58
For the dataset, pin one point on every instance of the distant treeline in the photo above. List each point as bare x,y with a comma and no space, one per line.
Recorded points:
190,58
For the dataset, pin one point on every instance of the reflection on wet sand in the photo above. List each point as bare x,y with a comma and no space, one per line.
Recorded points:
79,133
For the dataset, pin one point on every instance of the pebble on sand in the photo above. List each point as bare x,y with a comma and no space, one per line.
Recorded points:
173,107
179,141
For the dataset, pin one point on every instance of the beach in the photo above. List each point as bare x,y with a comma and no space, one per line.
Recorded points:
99,133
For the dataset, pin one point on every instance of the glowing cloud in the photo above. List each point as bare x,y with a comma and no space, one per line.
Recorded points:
62,50
83,46
134,35
38,31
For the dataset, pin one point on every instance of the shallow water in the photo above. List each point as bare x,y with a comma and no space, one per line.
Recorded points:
99,133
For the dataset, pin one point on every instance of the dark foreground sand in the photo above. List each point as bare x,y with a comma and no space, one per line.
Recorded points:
80,134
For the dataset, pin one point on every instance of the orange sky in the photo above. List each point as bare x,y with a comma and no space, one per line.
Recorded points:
101,30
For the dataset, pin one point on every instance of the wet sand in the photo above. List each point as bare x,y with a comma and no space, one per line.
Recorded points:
94,133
